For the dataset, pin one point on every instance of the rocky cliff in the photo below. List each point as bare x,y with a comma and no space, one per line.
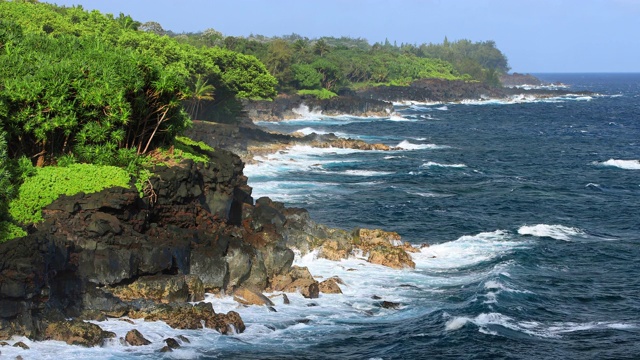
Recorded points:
431,90
293,106
197,230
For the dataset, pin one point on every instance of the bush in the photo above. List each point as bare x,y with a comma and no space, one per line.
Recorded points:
322,94
6,186
50,182
10,231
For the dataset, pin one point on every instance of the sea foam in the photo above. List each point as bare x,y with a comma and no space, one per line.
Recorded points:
406,145
558,232
435,164
622,164
467,250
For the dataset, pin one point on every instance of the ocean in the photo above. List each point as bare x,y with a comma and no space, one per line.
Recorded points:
530,207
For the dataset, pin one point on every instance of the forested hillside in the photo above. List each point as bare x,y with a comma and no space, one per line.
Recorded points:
336,63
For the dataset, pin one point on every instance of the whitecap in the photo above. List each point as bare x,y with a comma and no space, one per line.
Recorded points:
366,173
622,164
398,117
456,323
435,164
558,232
467,250
425,194
593,186
533,328
406,145
442,108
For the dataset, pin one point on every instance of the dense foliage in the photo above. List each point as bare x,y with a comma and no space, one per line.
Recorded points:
80,88
82,96
48,183
336,63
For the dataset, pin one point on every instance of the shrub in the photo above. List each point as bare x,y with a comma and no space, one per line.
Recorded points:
322,94
10,231
50,182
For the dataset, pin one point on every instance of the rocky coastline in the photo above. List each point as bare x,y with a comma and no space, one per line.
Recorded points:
286,107
378,101
113,254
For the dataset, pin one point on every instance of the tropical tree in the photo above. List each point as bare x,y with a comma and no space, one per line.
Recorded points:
306,76
202,90
321,47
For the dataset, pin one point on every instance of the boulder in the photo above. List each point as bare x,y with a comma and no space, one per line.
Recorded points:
187,316
390,305
229,323
248,296
384,248
178,315
77,332
329,286
172,343
308,288
239,259
298,279
184,339
21,345
135,338
391,256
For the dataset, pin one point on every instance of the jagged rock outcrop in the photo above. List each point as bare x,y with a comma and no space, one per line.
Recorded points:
517,79
114,254
295,106
98,254
77,332
187,316
432,90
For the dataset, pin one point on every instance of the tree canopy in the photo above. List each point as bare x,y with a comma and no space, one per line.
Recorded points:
94,85
356,63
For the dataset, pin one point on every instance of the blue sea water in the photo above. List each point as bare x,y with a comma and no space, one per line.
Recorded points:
531,208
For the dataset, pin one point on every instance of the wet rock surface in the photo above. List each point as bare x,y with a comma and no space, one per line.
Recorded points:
114,254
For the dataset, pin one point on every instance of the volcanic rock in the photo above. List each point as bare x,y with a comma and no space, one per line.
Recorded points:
77,332
135,338
329,286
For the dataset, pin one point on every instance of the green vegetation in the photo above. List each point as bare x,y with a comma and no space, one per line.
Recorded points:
320,94
48,183
93,99
80,88
185,148
334,64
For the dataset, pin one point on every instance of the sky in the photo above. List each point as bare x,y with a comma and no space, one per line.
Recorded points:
537,36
